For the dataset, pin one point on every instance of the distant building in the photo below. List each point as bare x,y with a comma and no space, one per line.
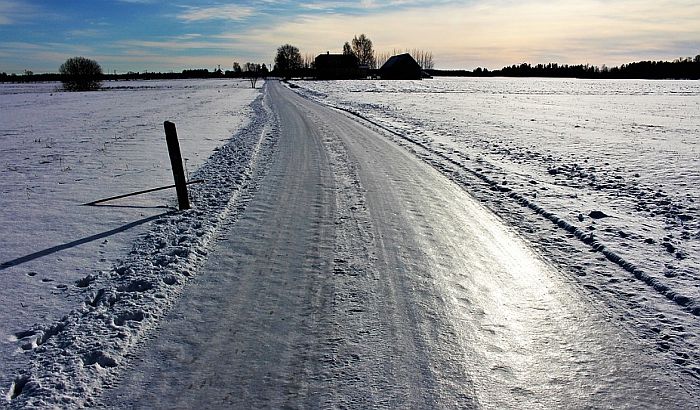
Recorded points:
338,67
401,67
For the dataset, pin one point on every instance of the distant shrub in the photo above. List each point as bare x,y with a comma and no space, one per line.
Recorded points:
81,74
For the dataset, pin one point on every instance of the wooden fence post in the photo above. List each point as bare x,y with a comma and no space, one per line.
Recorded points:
176,163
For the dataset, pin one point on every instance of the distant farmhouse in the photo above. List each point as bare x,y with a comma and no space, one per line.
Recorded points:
347,67
339,67
401,67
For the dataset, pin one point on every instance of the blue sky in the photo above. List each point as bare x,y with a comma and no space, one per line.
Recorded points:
172,35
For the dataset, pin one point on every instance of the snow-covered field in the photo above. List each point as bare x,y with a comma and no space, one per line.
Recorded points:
61,261
602,176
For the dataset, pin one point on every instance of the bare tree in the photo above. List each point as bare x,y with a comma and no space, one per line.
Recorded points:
253,72
429,63
309,60
347,49
382,57
423,58
362,47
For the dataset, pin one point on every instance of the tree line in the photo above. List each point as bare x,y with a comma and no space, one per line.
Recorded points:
79,73
84,74
686,68
131,75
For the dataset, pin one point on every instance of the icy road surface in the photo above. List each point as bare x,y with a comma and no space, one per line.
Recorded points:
360,276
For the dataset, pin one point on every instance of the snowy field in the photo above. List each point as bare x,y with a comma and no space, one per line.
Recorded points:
601,176
59,150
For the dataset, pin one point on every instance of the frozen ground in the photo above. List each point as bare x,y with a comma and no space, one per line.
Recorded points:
602,176
58,258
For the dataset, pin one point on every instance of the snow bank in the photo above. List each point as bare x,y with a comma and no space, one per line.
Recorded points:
64,359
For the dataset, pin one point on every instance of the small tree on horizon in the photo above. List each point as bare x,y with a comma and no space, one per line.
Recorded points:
81,74
253,72
347,49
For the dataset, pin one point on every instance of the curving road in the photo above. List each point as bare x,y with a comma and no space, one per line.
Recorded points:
358,276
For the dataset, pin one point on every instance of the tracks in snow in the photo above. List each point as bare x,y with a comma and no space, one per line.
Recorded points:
686,302
68,361
669,330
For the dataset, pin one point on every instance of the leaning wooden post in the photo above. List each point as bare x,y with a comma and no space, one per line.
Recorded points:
176,162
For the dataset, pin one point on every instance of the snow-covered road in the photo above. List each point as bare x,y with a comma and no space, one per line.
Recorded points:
359,276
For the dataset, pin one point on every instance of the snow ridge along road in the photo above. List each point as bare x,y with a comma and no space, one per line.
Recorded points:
67,363
359,276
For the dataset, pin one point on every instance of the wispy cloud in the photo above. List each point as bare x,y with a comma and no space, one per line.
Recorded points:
11,10
222,12
323,5
369,5
90,32
45,57
188,36
165,45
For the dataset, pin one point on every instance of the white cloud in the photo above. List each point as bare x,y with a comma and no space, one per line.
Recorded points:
84,33
323,5
172,44
363,4
188,36
11,10
223,12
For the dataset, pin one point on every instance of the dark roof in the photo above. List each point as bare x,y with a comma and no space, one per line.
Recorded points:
343,60
337,66
401,67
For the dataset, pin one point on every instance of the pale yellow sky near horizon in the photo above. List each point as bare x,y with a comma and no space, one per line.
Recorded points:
494,34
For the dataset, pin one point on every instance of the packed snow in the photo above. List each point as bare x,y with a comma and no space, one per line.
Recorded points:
75,275
601,176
